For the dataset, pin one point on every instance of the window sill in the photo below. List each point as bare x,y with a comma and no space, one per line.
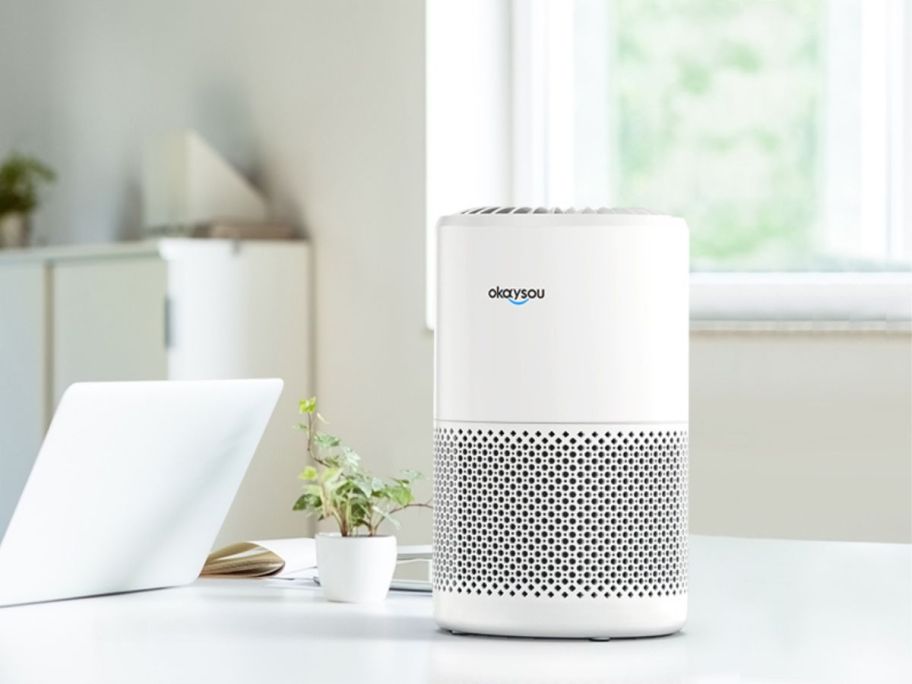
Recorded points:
808,327
801,302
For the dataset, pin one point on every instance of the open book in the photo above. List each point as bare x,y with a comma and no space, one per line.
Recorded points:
280,558
294,558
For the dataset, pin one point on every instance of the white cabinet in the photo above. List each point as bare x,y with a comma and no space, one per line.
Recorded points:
169,309
23,375
107,320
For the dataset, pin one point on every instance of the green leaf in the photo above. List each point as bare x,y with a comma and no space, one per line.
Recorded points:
308,502
349,458
309,473
306,406
332,477
365,486
402,495
325,441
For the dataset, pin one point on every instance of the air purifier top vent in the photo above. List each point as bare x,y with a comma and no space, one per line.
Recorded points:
557,210
558,216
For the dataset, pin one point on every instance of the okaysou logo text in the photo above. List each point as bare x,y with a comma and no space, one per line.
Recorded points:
517,296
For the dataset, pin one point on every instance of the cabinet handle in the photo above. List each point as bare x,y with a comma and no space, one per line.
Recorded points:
168,324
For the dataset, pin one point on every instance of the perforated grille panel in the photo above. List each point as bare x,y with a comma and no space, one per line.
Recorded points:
568,512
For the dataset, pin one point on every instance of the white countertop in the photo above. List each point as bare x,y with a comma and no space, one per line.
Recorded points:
760,611
131,249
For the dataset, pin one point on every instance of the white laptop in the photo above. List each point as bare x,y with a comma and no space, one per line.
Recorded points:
131,486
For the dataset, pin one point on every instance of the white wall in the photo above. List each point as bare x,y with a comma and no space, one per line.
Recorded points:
322,103
802,435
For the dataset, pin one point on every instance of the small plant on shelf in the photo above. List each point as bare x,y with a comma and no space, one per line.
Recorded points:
20,178
338,487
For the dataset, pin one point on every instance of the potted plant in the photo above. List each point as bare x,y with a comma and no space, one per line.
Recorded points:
20,177
355,564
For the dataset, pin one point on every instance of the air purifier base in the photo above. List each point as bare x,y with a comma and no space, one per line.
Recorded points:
596,619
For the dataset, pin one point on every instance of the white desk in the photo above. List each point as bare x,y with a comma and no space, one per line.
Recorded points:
760,611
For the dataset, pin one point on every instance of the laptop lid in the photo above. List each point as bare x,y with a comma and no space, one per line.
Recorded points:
131,486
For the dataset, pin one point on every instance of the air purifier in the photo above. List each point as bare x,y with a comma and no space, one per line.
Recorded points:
560,436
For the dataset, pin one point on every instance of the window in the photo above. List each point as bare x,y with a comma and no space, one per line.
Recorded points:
778,128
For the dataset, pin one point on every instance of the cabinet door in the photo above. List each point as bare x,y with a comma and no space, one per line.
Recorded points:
108,321
24,401
242,311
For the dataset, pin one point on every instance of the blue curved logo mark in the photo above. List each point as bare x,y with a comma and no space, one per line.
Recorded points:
517,296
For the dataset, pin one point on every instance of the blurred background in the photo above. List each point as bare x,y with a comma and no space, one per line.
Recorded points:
251,188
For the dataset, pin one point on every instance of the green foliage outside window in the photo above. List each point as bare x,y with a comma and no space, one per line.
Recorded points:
718,119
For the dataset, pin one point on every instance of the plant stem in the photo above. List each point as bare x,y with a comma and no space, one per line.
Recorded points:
311,436
420,504
312,454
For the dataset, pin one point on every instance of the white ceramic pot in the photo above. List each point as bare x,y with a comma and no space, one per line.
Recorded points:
14,230
356,569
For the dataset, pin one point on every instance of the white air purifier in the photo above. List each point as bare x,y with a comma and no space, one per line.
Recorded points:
560,476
